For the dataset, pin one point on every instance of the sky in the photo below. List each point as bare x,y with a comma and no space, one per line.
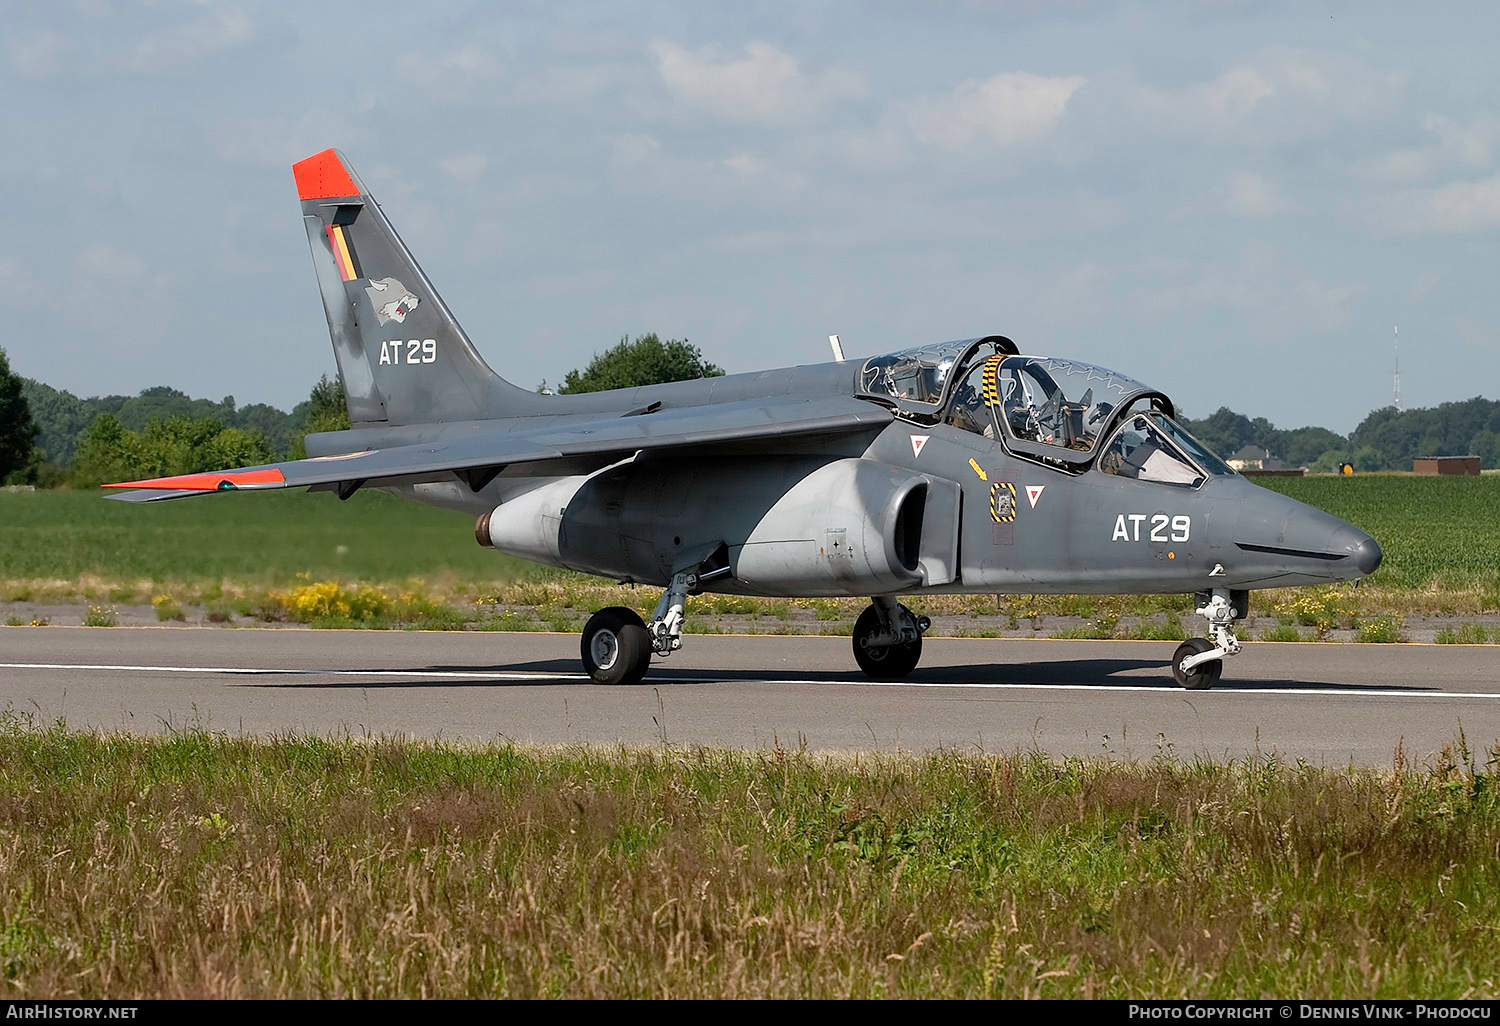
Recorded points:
1232,202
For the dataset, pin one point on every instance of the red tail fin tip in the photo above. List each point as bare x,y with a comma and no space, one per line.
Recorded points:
323,175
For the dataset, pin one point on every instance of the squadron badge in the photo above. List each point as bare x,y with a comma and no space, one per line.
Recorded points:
391,300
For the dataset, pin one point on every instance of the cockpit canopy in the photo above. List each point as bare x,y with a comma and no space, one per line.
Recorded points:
1060,412
918,377
1060,402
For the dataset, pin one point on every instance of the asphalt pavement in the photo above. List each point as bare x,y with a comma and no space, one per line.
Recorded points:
1329,704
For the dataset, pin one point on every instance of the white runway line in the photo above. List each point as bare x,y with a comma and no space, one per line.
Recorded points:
1247,688
265,671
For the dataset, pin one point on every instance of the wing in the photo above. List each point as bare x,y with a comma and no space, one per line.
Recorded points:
751,420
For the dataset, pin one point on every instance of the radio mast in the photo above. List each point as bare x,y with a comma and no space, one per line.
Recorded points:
1396,390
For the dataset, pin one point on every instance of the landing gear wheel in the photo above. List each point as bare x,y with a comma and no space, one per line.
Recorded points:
615,646
1204,675
890,662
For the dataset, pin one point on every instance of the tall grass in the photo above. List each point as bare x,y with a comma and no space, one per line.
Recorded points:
202,865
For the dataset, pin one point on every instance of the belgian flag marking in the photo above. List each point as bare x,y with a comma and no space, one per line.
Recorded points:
343,253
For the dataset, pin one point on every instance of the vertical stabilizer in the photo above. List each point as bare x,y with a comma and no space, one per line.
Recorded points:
402,357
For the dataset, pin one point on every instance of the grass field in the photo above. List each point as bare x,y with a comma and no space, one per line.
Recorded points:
265,556
262,540
197,865
1437,533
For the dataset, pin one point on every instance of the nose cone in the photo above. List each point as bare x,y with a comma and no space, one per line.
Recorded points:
1280,541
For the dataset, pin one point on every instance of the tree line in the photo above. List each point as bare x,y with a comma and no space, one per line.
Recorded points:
51,437
1387,439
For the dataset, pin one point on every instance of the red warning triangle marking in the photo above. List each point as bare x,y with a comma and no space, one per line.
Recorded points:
917,442
1033,493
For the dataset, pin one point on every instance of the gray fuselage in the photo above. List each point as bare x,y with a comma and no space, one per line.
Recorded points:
916,505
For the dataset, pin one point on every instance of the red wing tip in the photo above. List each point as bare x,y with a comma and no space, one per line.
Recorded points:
226,482
323,175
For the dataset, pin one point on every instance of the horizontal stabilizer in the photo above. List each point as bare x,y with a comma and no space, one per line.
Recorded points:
618,436
153,495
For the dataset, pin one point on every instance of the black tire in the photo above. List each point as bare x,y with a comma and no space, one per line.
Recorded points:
894,662
615,647
1204,675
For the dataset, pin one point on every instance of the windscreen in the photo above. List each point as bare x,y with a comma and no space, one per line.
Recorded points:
1152,447
1194,448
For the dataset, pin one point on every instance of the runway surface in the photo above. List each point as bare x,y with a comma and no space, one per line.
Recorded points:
1328,704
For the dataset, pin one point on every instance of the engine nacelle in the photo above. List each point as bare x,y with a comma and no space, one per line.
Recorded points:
851,527
530,525
791,525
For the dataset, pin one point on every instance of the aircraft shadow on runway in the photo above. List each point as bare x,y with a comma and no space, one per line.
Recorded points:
1072,672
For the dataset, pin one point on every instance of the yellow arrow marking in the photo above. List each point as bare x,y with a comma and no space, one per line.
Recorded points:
982,475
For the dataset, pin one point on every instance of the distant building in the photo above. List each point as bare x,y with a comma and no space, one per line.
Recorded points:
1253,457
1253,461
1446,466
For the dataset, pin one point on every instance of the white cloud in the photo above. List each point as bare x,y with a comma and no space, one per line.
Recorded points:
765,86
1232,95
466,168
269,141
574,83
1250,194
39,56
1276,302
21,290
632,150
101,260
1456,144
221,28
747,164
108,49
1008,108
114,286
453,74
1275,96
1425,285
1456,208
1479,334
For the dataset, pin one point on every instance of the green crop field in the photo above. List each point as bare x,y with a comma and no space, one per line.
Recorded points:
198,865
1437,532
260,539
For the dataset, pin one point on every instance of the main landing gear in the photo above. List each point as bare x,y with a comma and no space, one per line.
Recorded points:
617,647
888,639
1199,662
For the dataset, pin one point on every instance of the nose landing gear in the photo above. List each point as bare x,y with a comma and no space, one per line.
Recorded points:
1199,662
888,639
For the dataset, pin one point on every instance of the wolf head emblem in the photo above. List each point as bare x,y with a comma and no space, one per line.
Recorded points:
391,300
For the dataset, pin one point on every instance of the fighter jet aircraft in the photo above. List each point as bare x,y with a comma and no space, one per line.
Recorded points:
956,467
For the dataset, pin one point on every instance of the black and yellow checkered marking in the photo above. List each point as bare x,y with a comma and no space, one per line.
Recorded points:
988,386
1003,502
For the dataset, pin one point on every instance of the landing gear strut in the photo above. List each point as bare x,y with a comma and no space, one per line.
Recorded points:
617,646
665,627
1199,662
888,639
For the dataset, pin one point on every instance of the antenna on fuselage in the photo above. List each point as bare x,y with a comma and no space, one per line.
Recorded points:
838,350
